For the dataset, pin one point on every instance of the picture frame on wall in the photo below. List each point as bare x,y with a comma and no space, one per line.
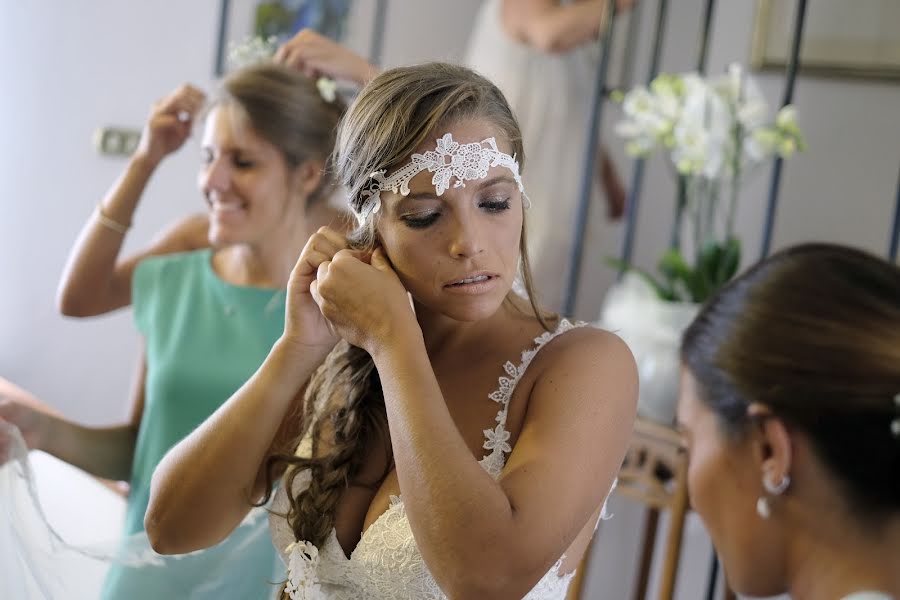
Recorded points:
240,20
859,39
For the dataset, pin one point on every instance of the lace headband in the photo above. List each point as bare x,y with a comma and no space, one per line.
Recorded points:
465,162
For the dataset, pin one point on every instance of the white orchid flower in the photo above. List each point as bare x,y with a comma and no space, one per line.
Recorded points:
730,85
707,125
752,109
787,147
702,133
786,118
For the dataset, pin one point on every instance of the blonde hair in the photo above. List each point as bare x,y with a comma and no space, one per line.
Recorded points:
393,115
285,108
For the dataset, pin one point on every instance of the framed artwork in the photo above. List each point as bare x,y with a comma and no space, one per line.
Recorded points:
240,20
840,38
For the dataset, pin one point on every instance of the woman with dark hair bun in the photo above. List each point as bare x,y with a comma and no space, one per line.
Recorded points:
790,403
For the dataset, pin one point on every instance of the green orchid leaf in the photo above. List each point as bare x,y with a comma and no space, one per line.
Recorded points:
673,265
729,262
708,261
664,292
677,272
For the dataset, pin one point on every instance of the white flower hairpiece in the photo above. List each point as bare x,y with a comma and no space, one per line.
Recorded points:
255,50
448,160
327,89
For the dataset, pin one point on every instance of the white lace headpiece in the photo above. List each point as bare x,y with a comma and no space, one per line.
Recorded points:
449,159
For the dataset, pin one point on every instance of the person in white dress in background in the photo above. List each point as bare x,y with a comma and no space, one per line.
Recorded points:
543,55
457,441
790,407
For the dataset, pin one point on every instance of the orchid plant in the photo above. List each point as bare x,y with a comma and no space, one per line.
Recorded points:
714,132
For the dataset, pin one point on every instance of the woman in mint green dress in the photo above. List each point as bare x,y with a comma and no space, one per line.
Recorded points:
208,297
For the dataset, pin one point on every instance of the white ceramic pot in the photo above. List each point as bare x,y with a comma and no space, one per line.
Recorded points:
652,329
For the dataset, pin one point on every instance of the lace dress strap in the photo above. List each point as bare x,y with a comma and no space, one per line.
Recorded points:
497,439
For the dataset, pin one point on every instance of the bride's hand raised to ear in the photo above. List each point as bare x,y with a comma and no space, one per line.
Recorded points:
363,299
304,326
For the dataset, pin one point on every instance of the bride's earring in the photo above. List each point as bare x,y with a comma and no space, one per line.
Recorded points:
763,508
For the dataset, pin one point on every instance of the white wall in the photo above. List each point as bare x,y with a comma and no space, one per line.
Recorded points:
69,68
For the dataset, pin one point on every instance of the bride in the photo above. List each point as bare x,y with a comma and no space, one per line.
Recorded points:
437,433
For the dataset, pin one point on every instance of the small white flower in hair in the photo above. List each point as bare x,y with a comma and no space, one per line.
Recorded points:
253,50
327,89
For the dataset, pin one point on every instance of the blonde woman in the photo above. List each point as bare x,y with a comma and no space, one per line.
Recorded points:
455,440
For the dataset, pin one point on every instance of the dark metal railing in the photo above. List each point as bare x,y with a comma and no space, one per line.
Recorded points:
703,50
895,228
632,202
792,68
221,39
377,46
577,253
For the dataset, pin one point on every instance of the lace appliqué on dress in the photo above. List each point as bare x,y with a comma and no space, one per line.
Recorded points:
386,563
303,566
497,439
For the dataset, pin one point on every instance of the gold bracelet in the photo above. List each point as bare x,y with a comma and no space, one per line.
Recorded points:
110,223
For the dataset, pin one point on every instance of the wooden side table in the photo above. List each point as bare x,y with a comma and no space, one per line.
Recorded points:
654,473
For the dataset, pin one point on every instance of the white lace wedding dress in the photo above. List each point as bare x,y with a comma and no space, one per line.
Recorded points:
386,563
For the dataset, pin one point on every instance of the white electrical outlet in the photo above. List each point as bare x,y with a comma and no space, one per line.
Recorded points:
116,141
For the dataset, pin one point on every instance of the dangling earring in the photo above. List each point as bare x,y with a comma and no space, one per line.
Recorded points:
763,509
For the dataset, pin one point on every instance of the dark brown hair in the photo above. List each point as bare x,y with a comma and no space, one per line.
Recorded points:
813,332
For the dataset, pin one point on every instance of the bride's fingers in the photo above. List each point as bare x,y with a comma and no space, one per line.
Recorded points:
331,328
335,237
322,270
310,261
326,244
314,292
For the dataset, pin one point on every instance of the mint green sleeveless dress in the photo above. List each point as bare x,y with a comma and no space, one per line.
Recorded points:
204,339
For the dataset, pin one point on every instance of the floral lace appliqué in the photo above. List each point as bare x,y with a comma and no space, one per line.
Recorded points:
303,565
